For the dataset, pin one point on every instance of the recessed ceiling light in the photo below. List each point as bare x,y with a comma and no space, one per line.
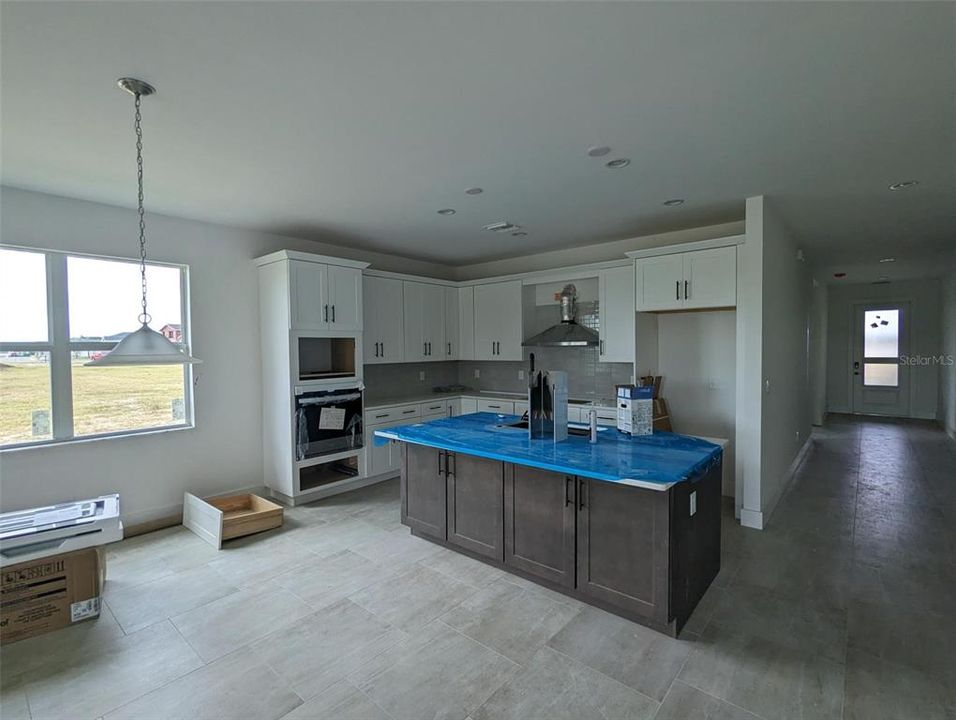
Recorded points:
886,260
446,211
904,184
502,226
674,201
474,191
619,163
598,150
519,234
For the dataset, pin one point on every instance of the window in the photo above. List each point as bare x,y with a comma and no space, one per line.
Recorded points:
881,348
57,311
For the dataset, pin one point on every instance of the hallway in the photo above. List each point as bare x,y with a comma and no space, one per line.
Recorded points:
856,569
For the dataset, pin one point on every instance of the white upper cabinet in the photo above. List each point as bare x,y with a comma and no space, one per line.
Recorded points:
384,320
659,282
466,323
710,278
310,295
616,308
424,322
345,298
498,321
688,280
451,345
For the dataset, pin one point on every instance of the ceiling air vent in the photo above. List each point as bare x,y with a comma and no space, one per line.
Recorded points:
503,226
881,281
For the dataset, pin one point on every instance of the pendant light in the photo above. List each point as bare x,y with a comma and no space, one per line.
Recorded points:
145,346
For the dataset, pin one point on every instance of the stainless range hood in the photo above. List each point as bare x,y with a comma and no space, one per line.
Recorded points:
567,333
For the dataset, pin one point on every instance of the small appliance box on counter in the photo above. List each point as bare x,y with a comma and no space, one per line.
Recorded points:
635,410
46,594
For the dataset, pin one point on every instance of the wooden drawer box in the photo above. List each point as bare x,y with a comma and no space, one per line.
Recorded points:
223,518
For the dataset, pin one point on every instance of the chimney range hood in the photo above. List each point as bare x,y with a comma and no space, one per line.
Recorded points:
567,333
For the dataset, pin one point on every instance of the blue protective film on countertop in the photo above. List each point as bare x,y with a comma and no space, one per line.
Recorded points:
661,458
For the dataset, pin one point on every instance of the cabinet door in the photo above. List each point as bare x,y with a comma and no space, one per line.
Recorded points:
475,504
710,278
539,523
616,310
435,409
502,407
498,321
310,298
384,312
451,347
466,323
423,489
468,406
414,321
623,546
345,298
433,321
454,407
660,283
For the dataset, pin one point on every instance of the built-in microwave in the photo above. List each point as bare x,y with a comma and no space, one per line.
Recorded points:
328,419
322,358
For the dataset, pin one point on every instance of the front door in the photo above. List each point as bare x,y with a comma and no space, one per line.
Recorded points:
880,380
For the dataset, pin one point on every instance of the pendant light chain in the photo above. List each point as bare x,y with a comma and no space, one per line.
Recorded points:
138,127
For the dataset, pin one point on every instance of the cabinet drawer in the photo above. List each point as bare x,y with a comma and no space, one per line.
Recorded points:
437,408
382,415
502,407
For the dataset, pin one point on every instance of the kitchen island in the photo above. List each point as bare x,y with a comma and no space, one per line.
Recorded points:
628,524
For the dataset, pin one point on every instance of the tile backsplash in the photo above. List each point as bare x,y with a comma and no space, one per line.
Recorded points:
396,380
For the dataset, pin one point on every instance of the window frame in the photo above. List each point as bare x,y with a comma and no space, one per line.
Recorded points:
61,348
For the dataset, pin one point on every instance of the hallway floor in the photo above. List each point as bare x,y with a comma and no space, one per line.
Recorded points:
842,608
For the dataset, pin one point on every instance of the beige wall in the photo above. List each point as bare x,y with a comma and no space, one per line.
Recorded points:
947,371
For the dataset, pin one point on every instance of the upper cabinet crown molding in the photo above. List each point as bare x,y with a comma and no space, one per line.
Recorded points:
280,255
731,241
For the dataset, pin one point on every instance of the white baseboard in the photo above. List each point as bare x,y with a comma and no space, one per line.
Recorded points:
751,518
158,518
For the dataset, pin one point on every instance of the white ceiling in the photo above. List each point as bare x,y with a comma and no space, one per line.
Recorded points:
354,122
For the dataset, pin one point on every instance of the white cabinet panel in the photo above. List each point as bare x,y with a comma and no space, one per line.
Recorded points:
434,409
710,278
384,332
380,459
521,407
468,406
433,321
309,289
616,307
454,407
345,298
498,321
659,282
424,321
687,281
451,346
502,407
466,323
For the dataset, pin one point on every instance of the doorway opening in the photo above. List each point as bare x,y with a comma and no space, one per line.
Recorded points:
880,381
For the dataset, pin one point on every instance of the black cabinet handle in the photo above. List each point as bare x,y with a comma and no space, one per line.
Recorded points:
379,417
602,347
441,454
568,491
407,412
449,348
450,456
333,313
424,348
686,293
326,313
582,492
677,289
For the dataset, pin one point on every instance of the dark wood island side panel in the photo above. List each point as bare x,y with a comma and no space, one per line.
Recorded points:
637,552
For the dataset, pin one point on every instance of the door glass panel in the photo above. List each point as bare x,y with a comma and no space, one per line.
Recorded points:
881,374
881,334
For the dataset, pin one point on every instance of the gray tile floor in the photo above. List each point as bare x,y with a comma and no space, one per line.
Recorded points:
842,608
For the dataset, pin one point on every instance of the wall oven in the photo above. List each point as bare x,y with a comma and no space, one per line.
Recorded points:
328,419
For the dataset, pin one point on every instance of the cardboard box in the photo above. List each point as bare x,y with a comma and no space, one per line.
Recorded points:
50,593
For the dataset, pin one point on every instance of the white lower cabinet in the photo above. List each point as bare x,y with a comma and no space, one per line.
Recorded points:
434,409
502,407
468,405
382,459
454,407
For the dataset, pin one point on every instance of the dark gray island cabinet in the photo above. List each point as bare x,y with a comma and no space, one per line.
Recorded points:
646,554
